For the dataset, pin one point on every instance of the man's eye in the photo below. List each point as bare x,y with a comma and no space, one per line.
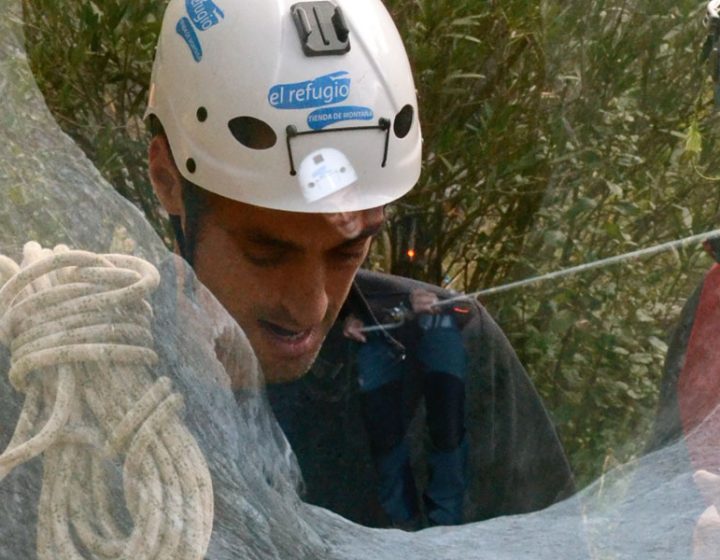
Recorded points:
264,260
351,256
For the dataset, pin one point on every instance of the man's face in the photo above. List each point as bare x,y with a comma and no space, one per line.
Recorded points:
283,276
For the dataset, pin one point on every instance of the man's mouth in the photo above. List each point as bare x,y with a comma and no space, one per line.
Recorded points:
282,332
290,343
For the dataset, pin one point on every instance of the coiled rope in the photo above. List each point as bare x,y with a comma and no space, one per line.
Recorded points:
78,328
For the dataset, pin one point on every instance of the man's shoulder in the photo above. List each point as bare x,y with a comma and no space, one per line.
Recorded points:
380,290
373,283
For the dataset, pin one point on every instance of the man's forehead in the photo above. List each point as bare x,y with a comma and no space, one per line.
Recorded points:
357,224
265,223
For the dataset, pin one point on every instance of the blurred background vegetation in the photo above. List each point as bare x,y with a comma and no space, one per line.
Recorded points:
556,133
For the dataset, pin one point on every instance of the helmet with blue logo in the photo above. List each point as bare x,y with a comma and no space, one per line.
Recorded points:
298,106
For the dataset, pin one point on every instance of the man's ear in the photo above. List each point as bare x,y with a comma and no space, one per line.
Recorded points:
164,175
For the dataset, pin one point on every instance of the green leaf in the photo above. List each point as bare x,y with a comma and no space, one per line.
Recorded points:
658,344
693,140
641,358
554,238
562,321
644,316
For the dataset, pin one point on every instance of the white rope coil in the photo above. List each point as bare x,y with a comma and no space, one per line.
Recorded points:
123,477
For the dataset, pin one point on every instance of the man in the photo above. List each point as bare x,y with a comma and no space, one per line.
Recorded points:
251,99
281,131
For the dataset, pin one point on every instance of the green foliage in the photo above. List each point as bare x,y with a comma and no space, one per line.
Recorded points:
555,134
92,61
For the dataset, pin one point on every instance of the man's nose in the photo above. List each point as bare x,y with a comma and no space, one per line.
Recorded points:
306,297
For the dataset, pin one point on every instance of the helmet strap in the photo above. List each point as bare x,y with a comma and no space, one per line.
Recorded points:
186,238
176,224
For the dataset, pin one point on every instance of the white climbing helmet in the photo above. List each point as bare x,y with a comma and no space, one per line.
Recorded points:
299,106
713,9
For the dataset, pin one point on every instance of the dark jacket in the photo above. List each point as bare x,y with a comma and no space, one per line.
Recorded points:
516,461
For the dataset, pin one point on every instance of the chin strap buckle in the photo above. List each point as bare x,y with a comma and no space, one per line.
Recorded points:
322,28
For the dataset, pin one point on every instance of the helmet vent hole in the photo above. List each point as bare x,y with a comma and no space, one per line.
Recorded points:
253,133
403,121
191,165
202,114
